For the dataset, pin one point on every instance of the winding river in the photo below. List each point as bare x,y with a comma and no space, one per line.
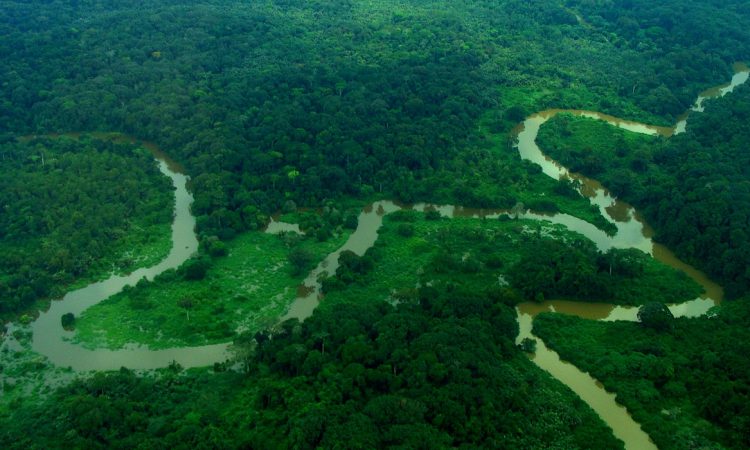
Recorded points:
52,341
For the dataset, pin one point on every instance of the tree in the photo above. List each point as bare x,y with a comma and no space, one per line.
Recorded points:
187,304
68,321
196,268
300,258
515,114
528,345
656,316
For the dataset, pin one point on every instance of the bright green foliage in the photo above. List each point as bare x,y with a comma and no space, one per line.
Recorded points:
435,374
689,386
282,104
249,287
590,146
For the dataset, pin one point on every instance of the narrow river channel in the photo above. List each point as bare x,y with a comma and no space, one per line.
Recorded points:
52,341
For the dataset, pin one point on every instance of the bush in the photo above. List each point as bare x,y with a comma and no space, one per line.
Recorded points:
300,260
528,345
68,321
405,229
656,316
404,215
196,268
432,215
351,221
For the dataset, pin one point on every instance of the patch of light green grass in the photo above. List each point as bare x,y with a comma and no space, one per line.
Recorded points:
249,288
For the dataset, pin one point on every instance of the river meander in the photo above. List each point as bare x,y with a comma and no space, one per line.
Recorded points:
52,341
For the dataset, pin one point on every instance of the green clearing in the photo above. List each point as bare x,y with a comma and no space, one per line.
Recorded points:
251,286
247,289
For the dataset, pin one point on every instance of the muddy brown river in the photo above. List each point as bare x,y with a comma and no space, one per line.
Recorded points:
52,341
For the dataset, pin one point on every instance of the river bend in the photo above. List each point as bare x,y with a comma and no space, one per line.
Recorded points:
49,338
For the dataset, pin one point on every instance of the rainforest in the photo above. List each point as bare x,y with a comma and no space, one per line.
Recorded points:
356,224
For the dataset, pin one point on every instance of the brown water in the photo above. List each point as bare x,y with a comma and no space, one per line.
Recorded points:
741,73
632,232
364,237
50,340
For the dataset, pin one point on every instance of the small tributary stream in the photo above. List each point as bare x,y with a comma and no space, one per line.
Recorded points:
52,341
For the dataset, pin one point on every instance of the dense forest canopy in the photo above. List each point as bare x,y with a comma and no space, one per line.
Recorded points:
266,101
688,386
73,209
692,187
437,374
314,108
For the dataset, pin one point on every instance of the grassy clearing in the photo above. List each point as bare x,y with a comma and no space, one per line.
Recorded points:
248,288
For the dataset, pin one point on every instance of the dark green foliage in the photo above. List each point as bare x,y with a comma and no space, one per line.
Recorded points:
406,229
432,375
195,268
276,105
692,187
655,316
121,410
550,269
528,345
351,221
300,258
214,246
300,101
69,206
689,387
352,268
68,320
435,376
432,215
515,114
